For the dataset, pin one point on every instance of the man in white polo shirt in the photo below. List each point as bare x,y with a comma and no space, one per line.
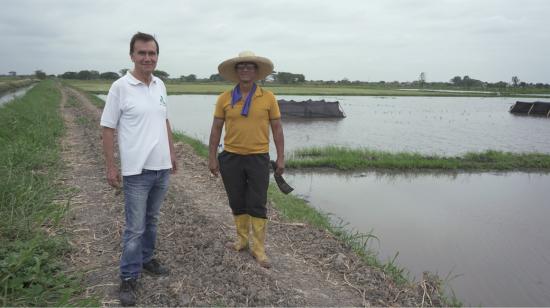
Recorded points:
136,109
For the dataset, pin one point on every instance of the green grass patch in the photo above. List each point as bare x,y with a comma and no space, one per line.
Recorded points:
98,102
13,84
31,247
200,148
342,158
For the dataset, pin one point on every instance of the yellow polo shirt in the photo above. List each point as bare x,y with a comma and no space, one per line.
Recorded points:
247,135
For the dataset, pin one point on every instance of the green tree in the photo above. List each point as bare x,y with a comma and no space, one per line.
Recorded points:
515,81
161,74
109,75
286,77
69,75
40,74
123,71
215,77
87,75
501,84
457,81
190,78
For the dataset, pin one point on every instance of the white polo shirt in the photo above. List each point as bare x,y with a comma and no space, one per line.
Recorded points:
138,113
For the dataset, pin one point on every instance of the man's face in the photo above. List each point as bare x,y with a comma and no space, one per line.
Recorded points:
144,56
246,71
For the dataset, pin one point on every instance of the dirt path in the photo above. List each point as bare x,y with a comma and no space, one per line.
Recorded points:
310,267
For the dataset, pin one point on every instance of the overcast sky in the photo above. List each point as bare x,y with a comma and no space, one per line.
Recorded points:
368,40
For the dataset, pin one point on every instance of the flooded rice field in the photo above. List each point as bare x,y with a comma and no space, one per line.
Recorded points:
487,230
440,125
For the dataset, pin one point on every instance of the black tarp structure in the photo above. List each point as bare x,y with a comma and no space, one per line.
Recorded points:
311,109
531,108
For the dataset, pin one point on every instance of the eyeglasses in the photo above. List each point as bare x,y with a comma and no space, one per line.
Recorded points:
245,66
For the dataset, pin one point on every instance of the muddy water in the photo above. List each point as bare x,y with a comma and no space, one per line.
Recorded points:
491,229
7,97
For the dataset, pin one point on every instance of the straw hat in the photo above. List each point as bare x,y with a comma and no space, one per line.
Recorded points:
227,67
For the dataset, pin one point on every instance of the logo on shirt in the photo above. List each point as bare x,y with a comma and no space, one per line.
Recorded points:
162,101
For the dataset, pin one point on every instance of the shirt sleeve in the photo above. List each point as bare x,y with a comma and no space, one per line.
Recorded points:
112,110
219,112
274,111
165,94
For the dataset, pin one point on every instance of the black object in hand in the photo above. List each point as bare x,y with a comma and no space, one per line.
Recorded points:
281,183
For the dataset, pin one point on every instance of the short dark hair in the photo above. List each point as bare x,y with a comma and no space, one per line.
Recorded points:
140,36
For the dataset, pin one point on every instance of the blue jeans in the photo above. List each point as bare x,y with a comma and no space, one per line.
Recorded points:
143,196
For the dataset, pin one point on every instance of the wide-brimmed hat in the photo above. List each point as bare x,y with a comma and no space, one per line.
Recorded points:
227,67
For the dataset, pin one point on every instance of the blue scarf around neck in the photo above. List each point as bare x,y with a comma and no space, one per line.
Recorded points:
236,96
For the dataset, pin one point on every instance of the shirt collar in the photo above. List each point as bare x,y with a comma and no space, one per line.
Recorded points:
134,81
259,91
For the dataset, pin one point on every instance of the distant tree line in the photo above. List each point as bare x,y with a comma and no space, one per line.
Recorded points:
459,82
276,77
89,75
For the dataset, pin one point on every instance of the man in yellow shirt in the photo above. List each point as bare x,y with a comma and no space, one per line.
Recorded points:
247,112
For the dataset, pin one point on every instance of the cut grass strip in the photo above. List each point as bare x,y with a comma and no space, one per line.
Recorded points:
342,158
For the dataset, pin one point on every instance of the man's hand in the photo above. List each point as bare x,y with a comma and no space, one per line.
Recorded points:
213,144
113,177
280,166
213,166
174,164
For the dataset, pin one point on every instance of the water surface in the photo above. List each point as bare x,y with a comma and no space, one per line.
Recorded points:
440,125
9,96
489,228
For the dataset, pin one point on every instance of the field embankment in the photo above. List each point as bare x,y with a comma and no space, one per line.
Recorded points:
362,159
7,85
312,89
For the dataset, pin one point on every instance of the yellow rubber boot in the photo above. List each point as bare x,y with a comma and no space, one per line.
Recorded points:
258,237
242,222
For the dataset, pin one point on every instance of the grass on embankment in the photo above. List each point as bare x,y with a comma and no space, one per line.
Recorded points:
197,145
353,159
31,247
10,85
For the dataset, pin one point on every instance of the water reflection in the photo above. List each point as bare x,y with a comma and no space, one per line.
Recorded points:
490,228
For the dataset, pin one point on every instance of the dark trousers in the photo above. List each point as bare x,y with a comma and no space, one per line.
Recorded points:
246,179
